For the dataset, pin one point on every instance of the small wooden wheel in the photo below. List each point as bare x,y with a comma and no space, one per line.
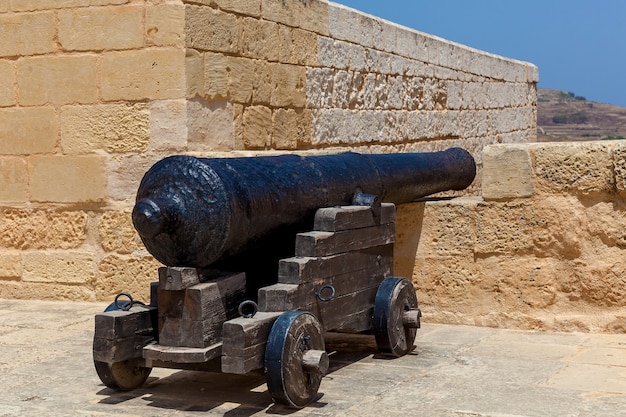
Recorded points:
123,375
396,316
295,358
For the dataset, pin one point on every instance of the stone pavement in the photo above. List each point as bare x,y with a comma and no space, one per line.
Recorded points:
47,370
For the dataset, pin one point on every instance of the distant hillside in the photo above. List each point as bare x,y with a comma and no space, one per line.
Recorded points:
563,115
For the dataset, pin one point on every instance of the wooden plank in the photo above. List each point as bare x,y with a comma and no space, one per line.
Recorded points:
119,349
119,323
157,352
177,278
299,270
316,244
244,342
283,297
333,219
346,311
194,317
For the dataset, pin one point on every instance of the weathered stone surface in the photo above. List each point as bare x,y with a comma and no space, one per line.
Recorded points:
117,233
257,127
168,125
619,165
19,38
13,180
208,29
98,28
62,79
154,74
8,95
165,25
210,125
578,167
507,172
309,15
63,267
68,179
27,131
117,273
112,127
42,229
11,265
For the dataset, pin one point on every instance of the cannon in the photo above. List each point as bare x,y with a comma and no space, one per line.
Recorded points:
265,255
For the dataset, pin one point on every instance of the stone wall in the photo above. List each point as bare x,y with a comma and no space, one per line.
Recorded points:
93,92
544,248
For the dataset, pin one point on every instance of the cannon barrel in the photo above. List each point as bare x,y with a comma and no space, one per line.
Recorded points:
197,211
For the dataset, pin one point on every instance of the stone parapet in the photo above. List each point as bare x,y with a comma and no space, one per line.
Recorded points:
542,249
93,92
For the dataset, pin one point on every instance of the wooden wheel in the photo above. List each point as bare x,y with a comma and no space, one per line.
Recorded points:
123,375
295,359
396,316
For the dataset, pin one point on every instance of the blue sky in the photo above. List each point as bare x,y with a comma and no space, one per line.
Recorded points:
578,45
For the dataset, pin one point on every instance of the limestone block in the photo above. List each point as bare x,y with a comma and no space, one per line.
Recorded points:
319,87
63,267
132,274
342,23
42,229
259,39
165,25
257,127
311,15
262,83
241,79
117,233
125,173
13,180
19,39
26,131
11,265
507,172
8,95
574,167
238,110
215,73
325,51
113,127
342,84
288,85
284,128
208,29
168,124
101,28
30,5
210,125
245,7
68,179
619,165
61,79
194,69
153,74
303,48
291,128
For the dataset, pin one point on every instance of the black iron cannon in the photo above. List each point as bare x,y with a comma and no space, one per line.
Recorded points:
225,228
195,212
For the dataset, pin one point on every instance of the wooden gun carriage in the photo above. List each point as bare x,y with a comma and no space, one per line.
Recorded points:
339,278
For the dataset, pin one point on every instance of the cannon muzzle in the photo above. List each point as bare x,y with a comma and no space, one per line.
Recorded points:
197,211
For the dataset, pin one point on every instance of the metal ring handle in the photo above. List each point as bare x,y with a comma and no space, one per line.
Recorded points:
124,307
330,297
245,304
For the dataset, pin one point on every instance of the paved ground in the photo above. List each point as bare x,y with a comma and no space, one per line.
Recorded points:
46,368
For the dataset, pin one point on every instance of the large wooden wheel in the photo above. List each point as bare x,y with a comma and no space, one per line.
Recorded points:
295,359
396,316
124,376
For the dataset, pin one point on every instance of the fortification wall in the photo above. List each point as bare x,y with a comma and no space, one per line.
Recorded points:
544,248
93,92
